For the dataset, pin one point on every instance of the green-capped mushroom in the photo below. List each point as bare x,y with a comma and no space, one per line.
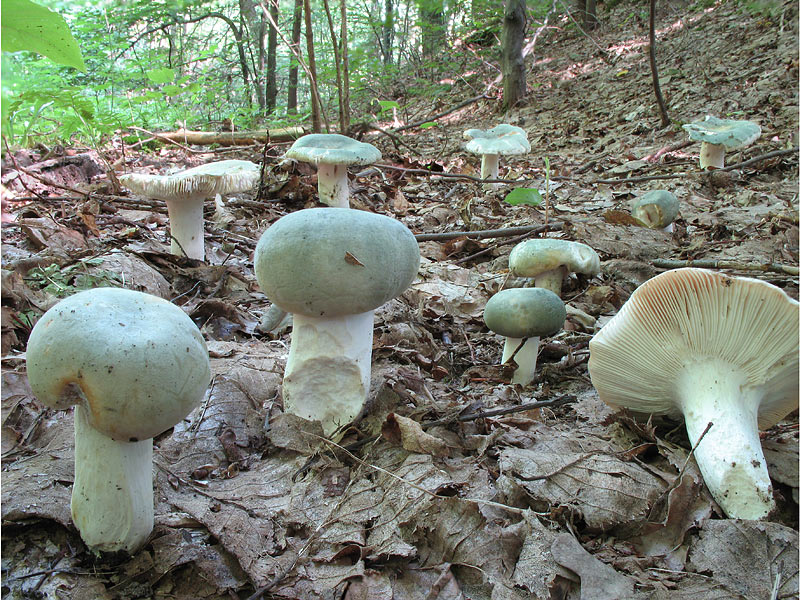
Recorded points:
550,260
656,209
523,316
491,143
721,135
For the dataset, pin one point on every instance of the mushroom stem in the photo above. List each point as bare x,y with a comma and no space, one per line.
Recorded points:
729,455
332,185
328,370
525,358
551,280
490,167
712,155
112,497
186,228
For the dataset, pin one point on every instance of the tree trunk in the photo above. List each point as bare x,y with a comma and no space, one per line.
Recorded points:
387,33
271,95
587,14
431,17
297,22
343,37
513,63
337,60
252,21
316,119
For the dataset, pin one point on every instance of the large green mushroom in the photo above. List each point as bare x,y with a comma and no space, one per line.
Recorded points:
331,268
133,365
550,260
721,135
490,144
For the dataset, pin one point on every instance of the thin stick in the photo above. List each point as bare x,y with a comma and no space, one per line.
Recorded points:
662,107
484,233
665,263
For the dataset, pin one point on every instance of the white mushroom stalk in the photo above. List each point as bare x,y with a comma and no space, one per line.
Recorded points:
133,365
332,185
714,349
712,155
331,267
527,353
112,495
327,373
490,166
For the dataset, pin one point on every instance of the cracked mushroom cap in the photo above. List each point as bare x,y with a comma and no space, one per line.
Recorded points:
532,257
656,209
135,362
524,312
333,149
206,181
689,315
726,132
502,139
333,262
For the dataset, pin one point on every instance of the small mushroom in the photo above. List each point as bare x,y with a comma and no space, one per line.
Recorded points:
491,143
656,209
523,316
331,268
550,260
721,135
332,152
133,365
184,193
717,350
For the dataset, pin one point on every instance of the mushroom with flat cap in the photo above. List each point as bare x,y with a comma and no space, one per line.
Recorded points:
550,260
184,193
720,135
715,349
331,268
491,143
523,316
133,365
656,209
332,152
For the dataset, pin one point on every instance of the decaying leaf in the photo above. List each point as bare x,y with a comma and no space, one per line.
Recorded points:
599,581
409,434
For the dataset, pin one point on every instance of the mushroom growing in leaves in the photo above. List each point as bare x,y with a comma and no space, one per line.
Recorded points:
656,209
332,152
491,143
184,193
550,260
133,365
523,315
721,135
717,350
331,268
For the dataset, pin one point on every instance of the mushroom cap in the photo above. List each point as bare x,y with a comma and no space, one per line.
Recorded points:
532,257
332,149
221,177
688,315
656,209
502,139
727,132
524,312
335,261
137,363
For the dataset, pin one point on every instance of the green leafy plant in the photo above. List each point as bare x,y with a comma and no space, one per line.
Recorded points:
62,282
529,196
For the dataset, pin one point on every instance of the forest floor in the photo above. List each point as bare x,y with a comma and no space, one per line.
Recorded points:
572,500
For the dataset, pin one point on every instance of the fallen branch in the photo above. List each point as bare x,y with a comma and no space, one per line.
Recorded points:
519,238
755,159
665,263
227,138
442,114
486,233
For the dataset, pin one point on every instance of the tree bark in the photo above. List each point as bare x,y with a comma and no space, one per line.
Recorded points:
297,22
337,59
316,119
230,138
344,39
431,17
387,33
513,63
662,106
271,95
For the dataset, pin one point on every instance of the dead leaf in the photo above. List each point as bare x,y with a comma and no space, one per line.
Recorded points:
409,434
352,260
599,581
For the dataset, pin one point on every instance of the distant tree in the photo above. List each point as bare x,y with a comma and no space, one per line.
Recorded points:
587,14
387,33
432,23
513,63
271,94
294,65
316,108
